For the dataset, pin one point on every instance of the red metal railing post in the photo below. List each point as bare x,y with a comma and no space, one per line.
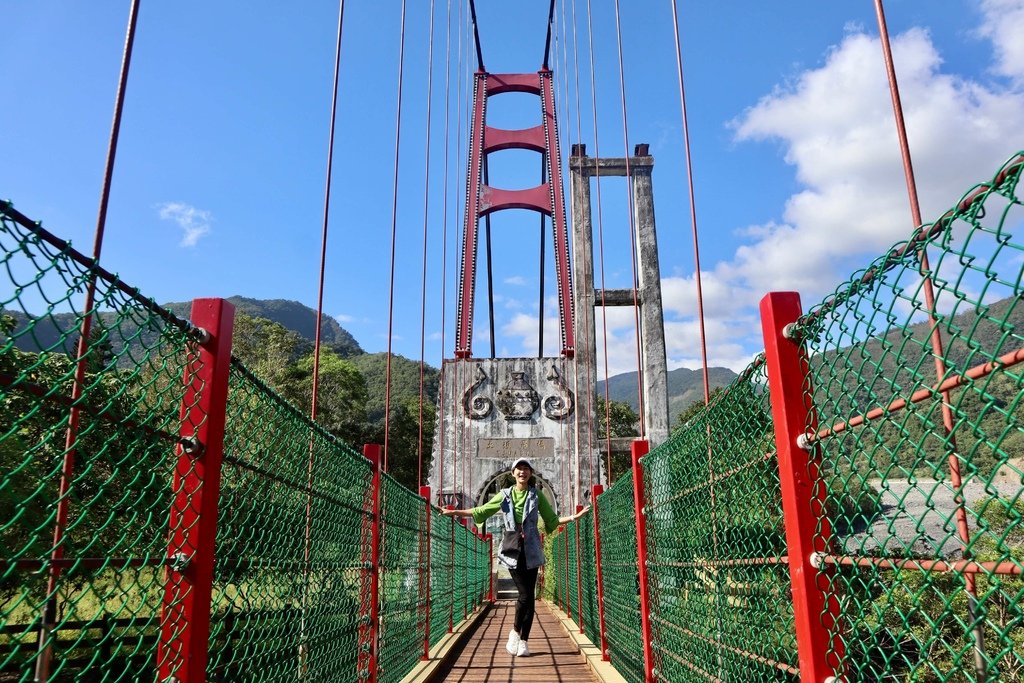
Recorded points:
596,491
579,572
451,585
565,560
807,530
425,494
373,454
185,621
490,566
639,449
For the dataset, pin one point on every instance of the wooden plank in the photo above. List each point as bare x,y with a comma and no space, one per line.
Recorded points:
554,658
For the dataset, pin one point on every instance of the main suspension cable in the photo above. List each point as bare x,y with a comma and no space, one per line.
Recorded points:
444,241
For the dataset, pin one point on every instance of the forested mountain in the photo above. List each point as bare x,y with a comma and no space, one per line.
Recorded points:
684,387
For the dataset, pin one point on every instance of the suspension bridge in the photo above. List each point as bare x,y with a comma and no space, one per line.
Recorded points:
847,509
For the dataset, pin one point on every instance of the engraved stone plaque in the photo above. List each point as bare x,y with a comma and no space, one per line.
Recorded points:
510,449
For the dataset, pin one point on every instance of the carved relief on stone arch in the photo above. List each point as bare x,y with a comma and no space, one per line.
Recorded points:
560,405
477,407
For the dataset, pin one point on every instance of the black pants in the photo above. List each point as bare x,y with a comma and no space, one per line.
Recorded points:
526,583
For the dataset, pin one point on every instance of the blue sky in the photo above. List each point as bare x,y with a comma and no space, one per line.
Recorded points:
218,188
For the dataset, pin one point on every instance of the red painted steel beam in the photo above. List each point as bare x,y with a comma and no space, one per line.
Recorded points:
464,313
498,139
808,531
503,83
638,449
183,649
558,223
535,198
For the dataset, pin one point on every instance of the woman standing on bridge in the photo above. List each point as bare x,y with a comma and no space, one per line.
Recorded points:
521,551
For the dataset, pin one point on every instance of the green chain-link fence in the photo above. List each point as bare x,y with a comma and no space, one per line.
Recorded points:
720,606
87,464
621,582
916,432
85,467
918,395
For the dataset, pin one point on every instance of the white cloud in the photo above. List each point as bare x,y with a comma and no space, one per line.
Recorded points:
344,318
836,128
194,222
516,280
1003,24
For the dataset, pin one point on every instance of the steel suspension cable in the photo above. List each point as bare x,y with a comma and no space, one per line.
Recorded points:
426,207
444,239
394,235
327,213
81,359
600,241
587,333
693,203
303,645
963,530
632,222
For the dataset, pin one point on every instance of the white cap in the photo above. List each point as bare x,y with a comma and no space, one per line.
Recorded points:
522,461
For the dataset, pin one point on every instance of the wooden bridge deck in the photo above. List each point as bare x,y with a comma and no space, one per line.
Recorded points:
554,657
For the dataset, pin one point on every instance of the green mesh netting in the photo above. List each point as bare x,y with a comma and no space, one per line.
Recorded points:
719,582
621,580
81,597
924,500
293,563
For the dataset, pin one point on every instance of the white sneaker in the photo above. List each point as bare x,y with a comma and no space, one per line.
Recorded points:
513,643
523,651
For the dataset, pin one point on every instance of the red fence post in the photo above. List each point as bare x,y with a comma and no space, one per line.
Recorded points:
596,491
490,566
639,449
807,531
579,572
565,590
425,494
185,621
451,585
373,454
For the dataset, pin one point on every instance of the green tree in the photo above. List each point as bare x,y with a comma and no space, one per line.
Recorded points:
620,421
696,408
341,394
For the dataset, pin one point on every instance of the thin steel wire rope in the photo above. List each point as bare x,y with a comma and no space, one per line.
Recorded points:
318,333
600,240
444,242
74,414
693,201
394,235
632,223
962,527
426,214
